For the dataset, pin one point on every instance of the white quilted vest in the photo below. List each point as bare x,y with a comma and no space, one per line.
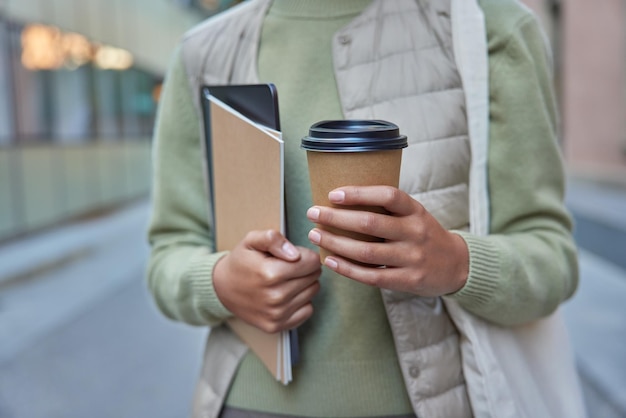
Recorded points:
395,62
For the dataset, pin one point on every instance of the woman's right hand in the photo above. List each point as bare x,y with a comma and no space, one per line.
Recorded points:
268,282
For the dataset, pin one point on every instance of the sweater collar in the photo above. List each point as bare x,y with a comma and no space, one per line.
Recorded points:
318,9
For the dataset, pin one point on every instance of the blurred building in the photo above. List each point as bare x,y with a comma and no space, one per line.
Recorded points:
79,80
589,41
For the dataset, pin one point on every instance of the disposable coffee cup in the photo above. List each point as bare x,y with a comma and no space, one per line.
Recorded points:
352,153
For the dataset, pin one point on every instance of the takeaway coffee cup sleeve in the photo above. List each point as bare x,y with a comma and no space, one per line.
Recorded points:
352,153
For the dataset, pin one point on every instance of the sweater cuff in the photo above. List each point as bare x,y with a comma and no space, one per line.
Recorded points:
201,278
483,277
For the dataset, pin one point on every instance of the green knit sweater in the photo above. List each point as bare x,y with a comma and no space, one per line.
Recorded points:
348,365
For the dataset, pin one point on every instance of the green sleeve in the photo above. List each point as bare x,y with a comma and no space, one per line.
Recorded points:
527,265
181,260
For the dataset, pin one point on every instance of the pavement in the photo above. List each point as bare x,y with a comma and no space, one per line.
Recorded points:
33,255
87,252
595,315
79,332
82,258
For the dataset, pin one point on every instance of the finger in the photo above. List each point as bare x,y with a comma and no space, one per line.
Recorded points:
293,314
299,317
393,278
361,221
390,198
285,293
278,270
303,296
301,309
308,264
375,253
272,242
371,276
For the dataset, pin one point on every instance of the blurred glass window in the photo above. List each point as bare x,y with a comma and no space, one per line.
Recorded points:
59,86
107,104
71,105
32,92
137,103
7,130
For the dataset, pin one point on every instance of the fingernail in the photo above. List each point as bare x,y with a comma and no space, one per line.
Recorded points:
313,213
289,249
330,263
314,236
337,196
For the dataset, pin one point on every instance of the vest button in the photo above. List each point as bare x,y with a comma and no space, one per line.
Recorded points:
414,372
345,39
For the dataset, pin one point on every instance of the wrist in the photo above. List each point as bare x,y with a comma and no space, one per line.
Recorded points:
198,278
462,264
219,278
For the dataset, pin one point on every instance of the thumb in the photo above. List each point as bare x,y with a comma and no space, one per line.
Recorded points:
272,242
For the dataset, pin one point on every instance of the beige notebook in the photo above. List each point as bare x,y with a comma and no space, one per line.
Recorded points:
248,194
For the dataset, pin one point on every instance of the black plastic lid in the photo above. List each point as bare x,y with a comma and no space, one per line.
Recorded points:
353,136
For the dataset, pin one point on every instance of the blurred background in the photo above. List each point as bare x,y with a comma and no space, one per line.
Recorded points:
79,87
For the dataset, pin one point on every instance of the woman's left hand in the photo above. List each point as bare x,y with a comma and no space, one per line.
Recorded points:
419,255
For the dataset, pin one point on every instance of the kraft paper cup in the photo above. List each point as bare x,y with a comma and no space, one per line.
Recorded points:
352,153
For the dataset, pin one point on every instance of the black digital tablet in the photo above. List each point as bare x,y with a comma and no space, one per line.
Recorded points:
259,102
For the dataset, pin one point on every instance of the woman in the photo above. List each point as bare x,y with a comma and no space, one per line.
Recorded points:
374,342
